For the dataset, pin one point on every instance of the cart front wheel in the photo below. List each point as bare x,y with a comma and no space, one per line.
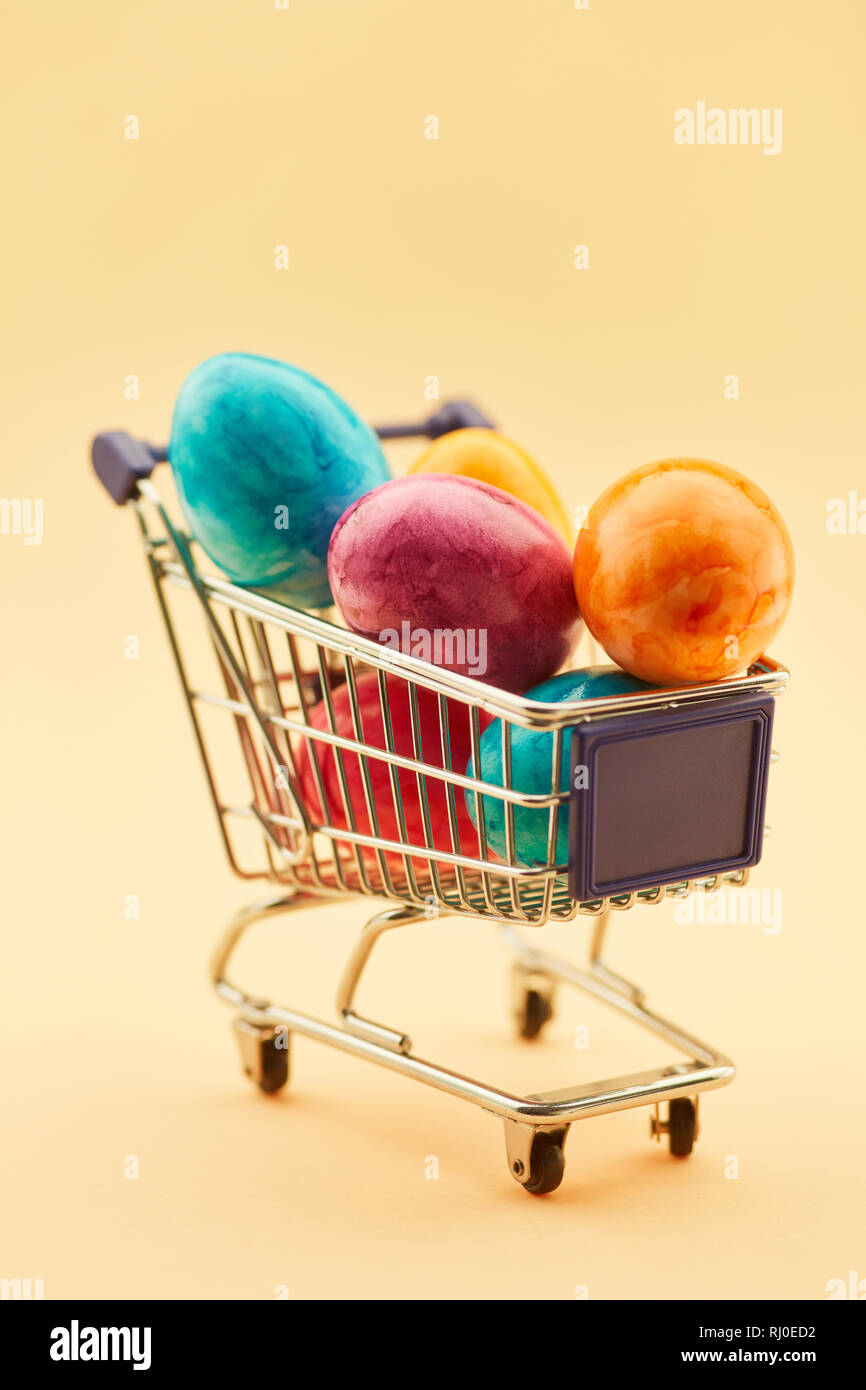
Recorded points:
682,1127
546,1165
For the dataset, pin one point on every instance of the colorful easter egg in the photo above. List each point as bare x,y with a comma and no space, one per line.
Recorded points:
532,770
492,458
456,741
458,573
266,459
684,572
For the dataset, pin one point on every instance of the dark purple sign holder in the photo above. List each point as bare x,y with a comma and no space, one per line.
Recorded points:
668,795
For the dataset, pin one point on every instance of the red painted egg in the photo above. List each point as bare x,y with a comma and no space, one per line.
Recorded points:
458,750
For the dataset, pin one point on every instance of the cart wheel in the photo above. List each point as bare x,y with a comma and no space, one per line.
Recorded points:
535,1011
682,1127
546,1164
273,1066
264,1054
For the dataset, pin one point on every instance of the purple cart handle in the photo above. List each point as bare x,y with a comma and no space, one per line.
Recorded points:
121,462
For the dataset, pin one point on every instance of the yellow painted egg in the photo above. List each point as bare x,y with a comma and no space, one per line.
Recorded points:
491,458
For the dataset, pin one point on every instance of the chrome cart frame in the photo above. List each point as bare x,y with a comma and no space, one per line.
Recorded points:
269,665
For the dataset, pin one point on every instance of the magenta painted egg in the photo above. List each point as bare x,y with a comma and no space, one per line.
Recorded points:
459,573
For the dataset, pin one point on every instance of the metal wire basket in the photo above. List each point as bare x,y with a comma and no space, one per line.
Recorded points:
306,803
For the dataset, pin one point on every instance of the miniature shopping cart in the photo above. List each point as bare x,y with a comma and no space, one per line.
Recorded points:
678,786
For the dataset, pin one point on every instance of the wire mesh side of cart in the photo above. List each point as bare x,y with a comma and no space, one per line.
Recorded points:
311,794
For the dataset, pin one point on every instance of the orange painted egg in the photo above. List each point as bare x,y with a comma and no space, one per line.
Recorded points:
684,571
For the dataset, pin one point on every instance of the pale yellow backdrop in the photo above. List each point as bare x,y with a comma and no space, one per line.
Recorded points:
412,257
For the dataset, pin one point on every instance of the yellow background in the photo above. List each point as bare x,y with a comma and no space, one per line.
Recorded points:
412,257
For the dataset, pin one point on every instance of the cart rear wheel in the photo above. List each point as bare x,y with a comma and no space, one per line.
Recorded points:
264,1054
536,1010
682,1127
546,1165
274,1066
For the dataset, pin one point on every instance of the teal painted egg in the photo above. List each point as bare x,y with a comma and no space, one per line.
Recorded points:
532,765
266,459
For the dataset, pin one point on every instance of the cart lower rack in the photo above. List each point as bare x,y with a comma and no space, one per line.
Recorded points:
273,697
